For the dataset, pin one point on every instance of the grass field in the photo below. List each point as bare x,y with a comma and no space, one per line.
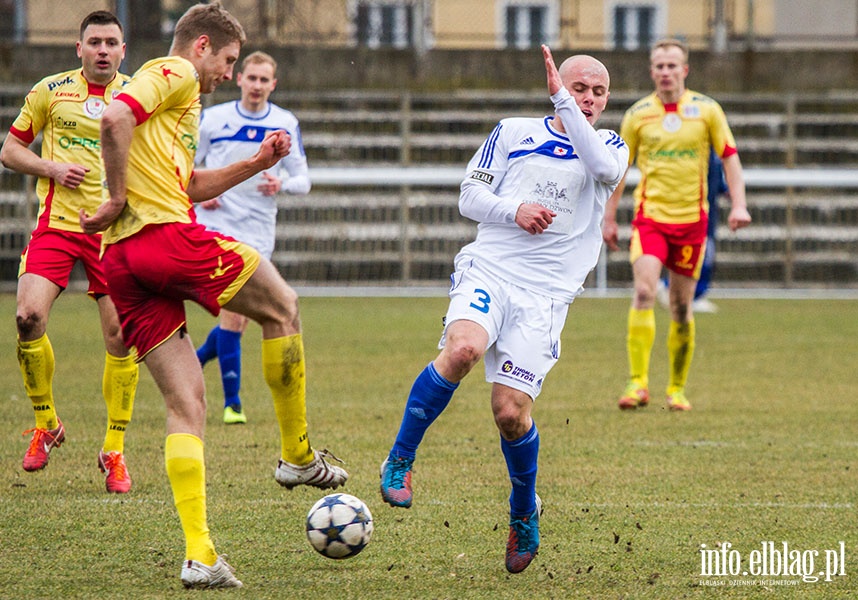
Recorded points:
767,455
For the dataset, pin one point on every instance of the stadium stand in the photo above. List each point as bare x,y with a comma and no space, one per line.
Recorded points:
374,233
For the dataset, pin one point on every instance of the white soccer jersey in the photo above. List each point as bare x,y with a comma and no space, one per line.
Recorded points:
229,133
526,160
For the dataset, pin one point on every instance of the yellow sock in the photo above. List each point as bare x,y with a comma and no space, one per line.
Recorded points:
641,335
36,360
119,386
283,368
186,469
680,350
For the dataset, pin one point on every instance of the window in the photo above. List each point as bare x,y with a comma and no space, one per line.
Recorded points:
385,24
634,26
528,24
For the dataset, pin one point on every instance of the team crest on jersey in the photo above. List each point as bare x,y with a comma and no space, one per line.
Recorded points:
94,107
560,151
251,133
671,122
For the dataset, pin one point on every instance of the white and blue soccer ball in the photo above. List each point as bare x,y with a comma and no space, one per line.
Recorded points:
339,526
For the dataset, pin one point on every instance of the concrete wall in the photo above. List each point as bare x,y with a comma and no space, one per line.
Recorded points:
308,69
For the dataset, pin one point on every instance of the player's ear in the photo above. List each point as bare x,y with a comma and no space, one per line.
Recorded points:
201,44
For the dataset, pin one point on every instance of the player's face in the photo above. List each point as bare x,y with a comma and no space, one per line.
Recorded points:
215,67
256,83
101,51
589,87
668,70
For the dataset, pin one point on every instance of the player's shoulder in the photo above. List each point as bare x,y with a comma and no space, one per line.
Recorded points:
282,113
693,97
222,109
644,105
66,80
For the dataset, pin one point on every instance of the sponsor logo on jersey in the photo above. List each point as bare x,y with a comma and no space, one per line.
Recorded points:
52,85
486,178
61,123
527,141
671,122
692,111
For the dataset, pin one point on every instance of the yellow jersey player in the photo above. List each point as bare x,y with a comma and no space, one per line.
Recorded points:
156,256
669,134
66,109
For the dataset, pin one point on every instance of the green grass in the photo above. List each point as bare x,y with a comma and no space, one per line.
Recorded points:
767,454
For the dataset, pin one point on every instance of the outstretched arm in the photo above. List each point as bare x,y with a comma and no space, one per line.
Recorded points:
209,183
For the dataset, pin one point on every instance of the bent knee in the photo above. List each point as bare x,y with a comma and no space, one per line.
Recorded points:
30,324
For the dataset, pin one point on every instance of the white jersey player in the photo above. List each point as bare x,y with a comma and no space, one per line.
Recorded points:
538,189
248,212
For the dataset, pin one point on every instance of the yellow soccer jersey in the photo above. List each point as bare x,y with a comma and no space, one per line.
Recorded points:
670,144
66,110
165,98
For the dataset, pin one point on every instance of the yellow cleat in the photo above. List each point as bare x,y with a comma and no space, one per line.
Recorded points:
634,396
678,401
232,416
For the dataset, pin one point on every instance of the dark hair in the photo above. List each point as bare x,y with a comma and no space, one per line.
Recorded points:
208,19
99,17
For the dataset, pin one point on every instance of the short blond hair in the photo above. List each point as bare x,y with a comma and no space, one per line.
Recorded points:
671,43
212,20
259,58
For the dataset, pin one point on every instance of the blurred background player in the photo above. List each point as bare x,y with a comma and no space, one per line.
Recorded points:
669,134
538,188
248,212
62,106
156,256
717,188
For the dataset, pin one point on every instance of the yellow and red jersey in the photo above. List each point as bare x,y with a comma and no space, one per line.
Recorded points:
670,144
164,95
66,109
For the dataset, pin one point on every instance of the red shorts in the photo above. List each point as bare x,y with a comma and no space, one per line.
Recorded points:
679,246
154,271
52,254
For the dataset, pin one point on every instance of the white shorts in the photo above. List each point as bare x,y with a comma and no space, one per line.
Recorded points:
524,327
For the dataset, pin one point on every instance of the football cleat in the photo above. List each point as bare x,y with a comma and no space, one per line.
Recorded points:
677,401
634,396
41,444
232,416
118,481
198,576
318,473
396,481
523,542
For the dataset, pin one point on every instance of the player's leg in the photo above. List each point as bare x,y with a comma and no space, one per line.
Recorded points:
641,330
35,297
520,447
464,345
232,326
208,350
267,299
175,368
119,387
680,339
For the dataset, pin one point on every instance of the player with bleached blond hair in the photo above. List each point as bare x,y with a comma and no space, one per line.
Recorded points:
537,187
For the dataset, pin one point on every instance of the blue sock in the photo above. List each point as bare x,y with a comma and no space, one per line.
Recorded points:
429,396
229,357
521,456
208,350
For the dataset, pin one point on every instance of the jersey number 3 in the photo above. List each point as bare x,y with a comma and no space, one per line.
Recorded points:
482,301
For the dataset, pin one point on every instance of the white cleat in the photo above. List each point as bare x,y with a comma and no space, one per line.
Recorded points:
318,473
198,576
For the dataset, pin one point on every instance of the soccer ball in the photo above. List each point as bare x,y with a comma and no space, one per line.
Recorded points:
339,526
